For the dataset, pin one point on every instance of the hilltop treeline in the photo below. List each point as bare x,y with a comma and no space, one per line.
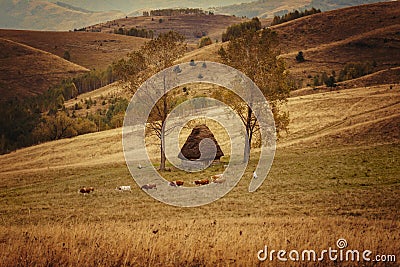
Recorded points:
135,32
94,79
175,12
236,30
294,15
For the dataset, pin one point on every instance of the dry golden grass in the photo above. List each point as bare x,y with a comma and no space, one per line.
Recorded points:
189,242
207,53
316,193
355,116
27,71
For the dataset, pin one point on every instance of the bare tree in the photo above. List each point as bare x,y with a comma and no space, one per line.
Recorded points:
154,56
256,54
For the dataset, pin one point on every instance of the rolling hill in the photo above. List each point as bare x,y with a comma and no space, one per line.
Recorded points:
27,71
354,117
366,33
88,49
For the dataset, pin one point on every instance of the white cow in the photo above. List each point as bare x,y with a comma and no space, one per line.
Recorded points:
124,188
218,179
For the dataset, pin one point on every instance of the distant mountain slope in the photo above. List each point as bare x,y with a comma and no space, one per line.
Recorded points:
327,5
131,5
44,15
261,8
268,8
92,50
26,71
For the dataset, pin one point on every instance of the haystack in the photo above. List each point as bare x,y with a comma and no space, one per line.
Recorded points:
191,148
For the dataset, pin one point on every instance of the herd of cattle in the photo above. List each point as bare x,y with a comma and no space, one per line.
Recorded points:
218,179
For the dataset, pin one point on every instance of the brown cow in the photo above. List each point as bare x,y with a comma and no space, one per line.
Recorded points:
86,190
202,182
176,183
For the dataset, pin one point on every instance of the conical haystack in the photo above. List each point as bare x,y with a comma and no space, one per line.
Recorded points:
191,148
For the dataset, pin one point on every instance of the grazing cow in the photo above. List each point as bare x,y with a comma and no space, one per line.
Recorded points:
202,182
176,183
124,188
219,180
217,176
86,190
255,176
149,186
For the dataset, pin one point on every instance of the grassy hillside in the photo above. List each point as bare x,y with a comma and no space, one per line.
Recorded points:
338,25
331,39
328,181
88,49
27,71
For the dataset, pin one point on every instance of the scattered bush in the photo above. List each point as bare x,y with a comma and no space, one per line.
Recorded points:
300,57
204,41
67,55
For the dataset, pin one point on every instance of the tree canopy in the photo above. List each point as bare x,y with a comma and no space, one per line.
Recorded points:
256,54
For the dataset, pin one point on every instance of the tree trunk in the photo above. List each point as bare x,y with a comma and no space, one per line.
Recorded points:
249,134
164,118
162,149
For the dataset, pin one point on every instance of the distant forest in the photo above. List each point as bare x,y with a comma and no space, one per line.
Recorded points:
175,12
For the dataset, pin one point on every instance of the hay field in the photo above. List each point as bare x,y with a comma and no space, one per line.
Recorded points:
319,189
